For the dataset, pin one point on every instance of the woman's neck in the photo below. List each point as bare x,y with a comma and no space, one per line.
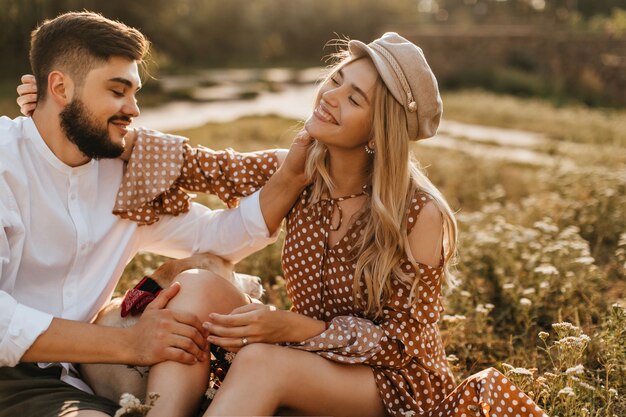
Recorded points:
349,172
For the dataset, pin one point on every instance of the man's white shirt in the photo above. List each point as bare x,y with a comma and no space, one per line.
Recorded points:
62,251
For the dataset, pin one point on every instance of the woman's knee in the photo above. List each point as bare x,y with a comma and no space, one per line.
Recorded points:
260,357
201,288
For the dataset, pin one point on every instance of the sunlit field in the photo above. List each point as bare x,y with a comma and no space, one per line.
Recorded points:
540,280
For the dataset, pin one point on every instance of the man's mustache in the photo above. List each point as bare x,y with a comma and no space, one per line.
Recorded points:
121,119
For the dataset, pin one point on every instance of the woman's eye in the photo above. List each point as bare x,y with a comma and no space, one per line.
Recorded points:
334,81
353,101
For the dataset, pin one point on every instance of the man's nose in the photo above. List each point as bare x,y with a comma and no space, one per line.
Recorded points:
131,108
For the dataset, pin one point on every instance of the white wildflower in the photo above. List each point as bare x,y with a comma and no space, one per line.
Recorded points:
575,370
489,306
613,391
587,386
546,227
129,404
480,308
544,285
508,286
567,392
452,358
129,400
466,294
584,260
525,302
453,319
565,327
543,335
529,291
521,371
546,269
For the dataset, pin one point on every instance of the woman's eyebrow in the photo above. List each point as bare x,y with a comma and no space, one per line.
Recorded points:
355,87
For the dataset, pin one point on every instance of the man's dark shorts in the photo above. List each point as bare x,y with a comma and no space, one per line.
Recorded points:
28,390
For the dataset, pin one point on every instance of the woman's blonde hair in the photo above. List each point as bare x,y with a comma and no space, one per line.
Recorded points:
383,243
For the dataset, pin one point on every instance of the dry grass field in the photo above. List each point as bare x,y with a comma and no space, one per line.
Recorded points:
540,282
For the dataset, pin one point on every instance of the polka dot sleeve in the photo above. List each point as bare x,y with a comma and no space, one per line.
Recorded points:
405,331
162,166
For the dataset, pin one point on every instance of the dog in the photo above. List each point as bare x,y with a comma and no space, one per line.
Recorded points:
111,381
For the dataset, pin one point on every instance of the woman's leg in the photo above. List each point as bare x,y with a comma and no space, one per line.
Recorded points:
180,386
265,378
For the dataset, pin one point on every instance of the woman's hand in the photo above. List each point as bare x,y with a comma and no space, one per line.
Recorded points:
27,99
129,144
295,161
259,323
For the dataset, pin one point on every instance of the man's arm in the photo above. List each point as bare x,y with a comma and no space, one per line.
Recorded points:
155,338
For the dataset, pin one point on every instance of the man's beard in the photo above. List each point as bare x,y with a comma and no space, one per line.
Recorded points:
80,127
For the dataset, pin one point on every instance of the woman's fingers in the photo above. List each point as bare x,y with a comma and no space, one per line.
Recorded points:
27,103
251,307
24,89
227,331
28,79
231,344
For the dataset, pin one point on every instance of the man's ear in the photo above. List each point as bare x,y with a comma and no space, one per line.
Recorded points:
60,88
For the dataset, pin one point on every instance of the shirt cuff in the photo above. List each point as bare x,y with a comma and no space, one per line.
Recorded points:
253,219
26,325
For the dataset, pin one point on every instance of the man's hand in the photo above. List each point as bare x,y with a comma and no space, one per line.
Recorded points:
167,335
27,91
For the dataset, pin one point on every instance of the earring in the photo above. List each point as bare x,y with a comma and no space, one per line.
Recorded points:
369,150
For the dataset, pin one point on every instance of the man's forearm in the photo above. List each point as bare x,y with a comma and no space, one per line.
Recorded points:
73,341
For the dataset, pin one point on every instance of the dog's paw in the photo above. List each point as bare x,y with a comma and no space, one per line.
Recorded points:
248,284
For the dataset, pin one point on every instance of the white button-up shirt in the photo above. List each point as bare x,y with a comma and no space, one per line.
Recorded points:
62,251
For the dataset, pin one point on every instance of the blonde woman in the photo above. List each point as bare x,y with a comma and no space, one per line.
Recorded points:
368,246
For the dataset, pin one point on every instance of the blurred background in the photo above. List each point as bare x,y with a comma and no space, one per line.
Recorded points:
560,49
531,154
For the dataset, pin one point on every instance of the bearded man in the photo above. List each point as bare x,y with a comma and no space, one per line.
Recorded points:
62,250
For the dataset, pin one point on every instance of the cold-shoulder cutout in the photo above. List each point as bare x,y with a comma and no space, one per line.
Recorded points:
426,236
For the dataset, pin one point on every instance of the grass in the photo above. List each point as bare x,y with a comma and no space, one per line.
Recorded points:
540,283
572,123
541,279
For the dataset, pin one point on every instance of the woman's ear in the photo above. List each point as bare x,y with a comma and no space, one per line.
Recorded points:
60,88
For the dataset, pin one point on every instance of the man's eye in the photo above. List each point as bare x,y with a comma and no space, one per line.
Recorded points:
118,93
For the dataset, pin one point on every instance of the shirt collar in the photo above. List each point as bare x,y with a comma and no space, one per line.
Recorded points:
33,135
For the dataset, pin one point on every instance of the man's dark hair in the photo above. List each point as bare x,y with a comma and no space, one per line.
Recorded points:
78,42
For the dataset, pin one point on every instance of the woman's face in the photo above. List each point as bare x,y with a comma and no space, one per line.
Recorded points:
343,114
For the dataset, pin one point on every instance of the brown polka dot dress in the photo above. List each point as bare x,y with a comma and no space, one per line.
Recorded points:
403,347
